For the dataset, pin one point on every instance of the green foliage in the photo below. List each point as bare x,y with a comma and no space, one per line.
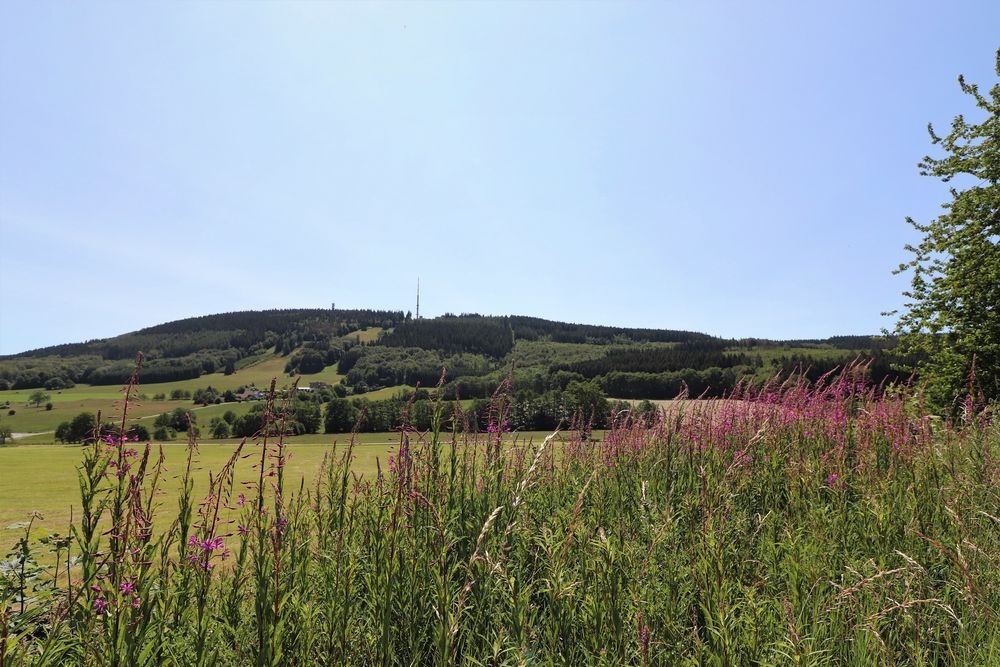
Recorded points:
219,428
306,362
80,429
163,434
207,396
168,424
589,401
37,398
305,417
377,366
185,349
341,416
488,336
952,320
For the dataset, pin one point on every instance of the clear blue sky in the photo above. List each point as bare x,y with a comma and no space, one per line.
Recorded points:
737,168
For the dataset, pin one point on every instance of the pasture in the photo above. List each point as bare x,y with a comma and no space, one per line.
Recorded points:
43,478
67,403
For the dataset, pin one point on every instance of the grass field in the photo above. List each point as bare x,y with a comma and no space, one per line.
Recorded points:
43,478
54,489
67,403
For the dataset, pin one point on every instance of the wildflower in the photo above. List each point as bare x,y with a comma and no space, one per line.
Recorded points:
242,530
127,587
833,481
100,605
241,500
136,602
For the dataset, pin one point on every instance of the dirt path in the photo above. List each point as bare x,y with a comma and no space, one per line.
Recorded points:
18,436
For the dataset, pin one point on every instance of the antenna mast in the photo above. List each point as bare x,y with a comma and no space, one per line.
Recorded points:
418,297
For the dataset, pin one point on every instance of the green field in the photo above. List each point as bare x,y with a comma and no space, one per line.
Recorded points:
67,403
43,478
46,475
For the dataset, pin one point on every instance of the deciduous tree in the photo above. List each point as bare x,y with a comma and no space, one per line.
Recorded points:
952,316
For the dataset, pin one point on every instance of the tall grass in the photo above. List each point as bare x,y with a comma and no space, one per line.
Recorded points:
824,523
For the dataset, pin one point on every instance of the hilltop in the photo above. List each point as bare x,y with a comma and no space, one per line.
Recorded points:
383,348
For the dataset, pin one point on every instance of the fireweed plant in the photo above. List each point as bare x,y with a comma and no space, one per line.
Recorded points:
823,523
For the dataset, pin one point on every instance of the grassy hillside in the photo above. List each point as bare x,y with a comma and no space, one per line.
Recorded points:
378,354
67,403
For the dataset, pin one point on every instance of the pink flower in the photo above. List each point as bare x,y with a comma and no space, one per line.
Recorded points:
136,602
241,500
126,587
833,480
100,605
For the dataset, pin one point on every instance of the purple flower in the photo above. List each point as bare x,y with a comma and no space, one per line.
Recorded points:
502,427
136,602
832,480
241,500
100,605
127,587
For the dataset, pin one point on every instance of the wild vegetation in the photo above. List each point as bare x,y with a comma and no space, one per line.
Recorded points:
950,321
808,522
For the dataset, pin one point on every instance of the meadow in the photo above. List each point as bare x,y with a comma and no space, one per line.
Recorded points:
824,523
67,403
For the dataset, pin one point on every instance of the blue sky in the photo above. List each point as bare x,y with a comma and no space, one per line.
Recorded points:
742,169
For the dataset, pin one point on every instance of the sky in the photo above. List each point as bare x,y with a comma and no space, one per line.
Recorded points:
741,169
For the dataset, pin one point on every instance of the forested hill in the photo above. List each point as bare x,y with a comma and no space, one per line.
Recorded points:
187,348
382,348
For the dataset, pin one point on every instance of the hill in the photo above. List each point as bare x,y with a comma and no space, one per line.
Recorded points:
382,348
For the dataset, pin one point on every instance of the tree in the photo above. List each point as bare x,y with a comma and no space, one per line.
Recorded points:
37,398
589,401
81,429
951,322
181,419
219,428
340,416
